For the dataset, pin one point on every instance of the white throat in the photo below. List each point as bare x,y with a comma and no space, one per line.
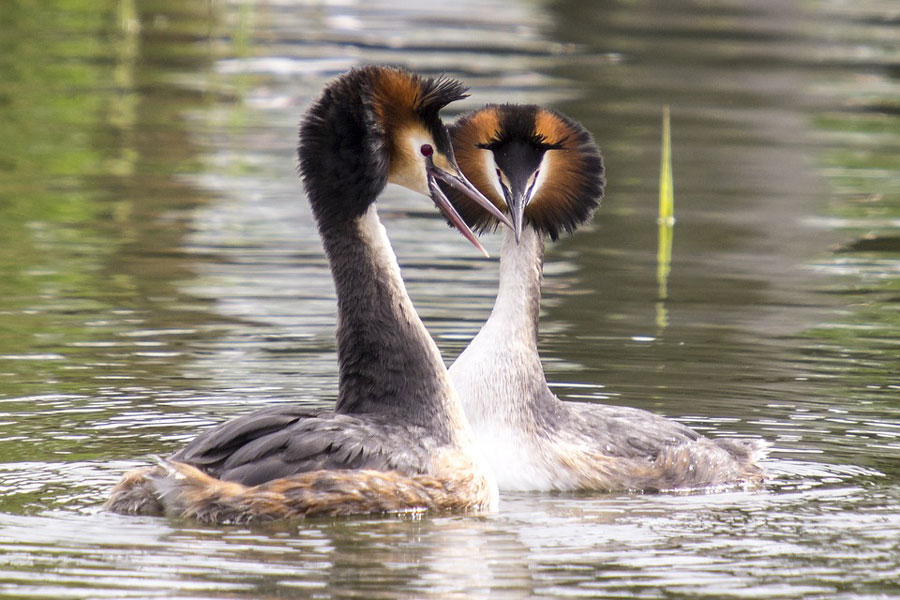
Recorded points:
453,416
488,373
499,377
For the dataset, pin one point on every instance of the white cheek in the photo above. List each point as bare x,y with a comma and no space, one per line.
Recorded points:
490,167
413,174
545,167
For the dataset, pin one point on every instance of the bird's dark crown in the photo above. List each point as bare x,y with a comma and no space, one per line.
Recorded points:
365,130
523,139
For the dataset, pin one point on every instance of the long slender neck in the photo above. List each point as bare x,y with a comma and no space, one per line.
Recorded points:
499,375
389,365
518,303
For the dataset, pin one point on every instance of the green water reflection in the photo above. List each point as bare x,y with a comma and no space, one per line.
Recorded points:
93,140
158,273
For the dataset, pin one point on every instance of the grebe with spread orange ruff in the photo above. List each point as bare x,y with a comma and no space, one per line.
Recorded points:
547,172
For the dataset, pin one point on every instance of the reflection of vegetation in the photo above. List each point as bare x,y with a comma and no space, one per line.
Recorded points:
49,110
856,355
89,135
862,169
666,223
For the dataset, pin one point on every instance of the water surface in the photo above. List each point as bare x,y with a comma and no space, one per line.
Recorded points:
161,273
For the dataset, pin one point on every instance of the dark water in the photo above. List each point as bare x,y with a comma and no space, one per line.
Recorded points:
160,272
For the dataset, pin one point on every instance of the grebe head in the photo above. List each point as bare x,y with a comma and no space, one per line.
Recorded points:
537,164
377,125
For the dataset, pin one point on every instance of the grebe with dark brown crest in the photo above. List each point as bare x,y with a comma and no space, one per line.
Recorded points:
398,439
547,172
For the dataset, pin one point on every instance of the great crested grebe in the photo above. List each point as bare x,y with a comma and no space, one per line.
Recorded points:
547,172
398,439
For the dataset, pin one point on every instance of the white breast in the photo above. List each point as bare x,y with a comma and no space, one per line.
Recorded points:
521,463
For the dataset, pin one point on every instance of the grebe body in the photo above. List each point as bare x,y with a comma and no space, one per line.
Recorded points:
547,172
398,439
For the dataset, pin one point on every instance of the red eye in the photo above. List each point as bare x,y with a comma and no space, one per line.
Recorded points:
426,150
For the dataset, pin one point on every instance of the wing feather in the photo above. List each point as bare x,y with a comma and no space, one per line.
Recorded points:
285,440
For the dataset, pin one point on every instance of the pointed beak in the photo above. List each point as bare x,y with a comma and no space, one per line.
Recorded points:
446,207
517,199
461,184
517,213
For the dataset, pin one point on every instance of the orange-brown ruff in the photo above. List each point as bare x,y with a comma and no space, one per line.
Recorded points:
398,439
571,166
546,171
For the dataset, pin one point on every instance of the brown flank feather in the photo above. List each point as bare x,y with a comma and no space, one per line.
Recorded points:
187,492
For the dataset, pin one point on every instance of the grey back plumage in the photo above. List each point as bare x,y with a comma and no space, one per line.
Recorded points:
285,440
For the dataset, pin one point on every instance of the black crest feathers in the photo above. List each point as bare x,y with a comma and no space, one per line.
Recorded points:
347,136
436,93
